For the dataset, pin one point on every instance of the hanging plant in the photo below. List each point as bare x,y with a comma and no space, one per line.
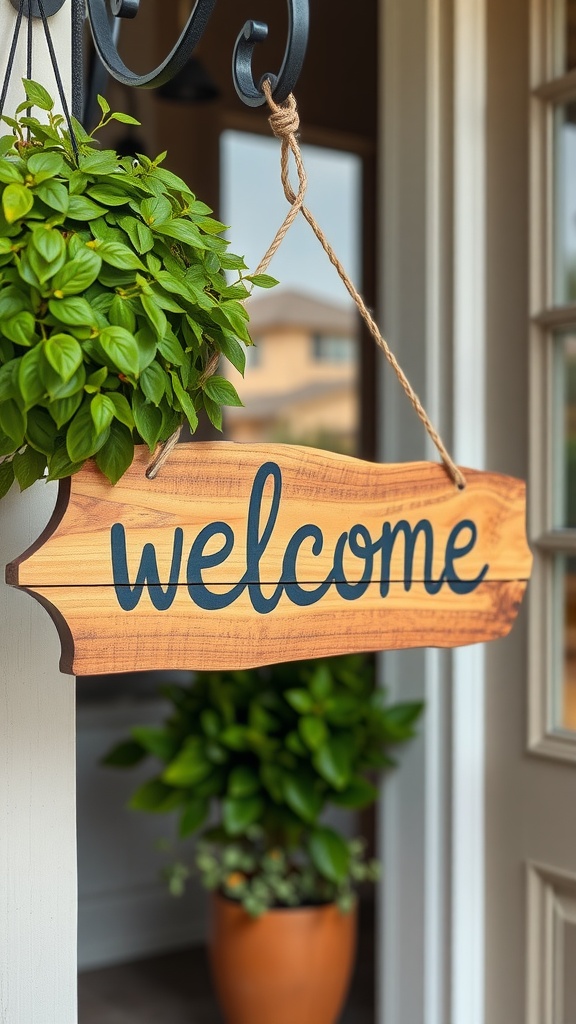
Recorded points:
114,304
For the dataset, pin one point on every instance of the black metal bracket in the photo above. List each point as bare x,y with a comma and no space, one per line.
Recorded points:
102,20
50,7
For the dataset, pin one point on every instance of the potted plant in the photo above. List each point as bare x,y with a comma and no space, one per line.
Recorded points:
114,303
251,761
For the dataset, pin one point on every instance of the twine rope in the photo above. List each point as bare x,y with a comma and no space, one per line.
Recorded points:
285,123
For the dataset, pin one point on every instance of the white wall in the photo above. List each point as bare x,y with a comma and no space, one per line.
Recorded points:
37,772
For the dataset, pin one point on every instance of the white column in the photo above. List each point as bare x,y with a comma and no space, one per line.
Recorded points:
415,296
37,726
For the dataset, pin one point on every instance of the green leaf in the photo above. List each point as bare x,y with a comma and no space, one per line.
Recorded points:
359,793
155,741
153,382
125,119
12,421
154,796
214,412
45,165
233,350
37,94
50,244
190,766
6,477
148,420
147,346
60,466
330,854
41,430
156,315
63,409
9,383
300,700
54,194
239,814
20,328
17,201
172,351
94,162
30,380
9,172
124,755
263,280
118,255
156,210
243,781
117,453
302,798
185,402
139,234
78,275
121,314
122,408
321,682
193,816
108,195
29,466
82,208
73,311
82,440
222,391
102,412
313,731
333,761
121,348
64,354
183,231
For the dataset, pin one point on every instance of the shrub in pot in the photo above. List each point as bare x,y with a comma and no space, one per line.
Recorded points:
251,761
114,302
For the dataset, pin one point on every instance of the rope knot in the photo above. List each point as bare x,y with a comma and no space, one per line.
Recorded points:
284,120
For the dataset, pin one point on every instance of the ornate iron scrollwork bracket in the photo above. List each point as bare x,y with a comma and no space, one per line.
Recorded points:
102,20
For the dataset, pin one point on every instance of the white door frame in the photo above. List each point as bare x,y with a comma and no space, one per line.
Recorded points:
37,721
431,948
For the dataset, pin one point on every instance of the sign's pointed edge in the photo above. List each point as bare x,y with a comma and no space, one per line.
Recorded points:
62,501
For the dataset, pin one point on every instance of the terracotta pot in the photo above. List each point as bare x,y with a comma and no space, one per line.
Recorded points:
290,966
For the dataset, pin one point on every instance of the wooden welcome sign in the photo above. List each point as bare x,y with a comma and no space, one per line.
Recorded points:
239,555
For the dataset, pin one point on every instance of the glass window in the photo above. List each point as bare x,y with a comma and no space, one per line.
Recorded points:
328,349
565,204
565,41
302,386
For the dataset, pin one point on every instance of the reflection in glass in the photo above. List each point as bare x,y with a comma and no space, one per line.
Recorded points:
565,205
564,445
565,681
302,386
565,57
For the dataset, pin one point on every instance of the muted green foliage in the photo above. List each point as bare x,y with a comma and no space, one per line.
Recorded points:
261,754
114,303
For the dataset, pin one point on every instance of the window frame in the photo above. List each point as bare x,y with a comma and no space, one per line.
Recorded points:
548,91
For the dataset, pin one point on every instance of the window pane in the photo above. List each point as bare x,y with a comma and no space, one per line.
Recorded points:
564,710
564,412
302,385
565,36
565,205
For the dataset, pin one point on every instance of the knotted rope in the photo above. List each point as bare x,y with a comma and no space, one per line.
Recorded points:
285,124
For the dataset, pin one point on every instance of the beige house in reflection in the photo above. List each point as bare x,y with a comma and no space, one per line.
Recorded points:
301,374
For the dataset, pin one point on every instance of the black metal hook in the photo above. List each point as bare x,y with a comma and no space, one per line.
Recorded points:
283,83
102,26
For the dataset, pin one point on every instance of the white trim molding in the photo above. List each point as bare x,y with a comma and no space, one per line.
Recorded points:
468,664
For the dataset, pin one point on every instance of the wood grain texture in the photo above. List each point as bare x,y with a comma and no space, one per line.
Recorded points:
276,519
